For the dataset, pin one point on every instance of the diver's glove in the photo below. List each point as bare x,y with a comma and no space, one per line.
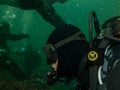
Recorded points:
51,77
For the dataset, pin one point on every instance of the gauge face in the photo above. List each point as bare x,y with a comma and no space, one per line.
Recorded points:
92,55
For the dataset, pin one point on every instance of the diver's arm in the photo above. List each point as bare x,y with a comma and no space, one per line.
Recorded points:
48,13
13,3
15,37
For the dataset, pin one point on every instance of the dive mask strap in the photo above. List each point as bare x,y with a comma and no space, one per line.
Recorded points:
75,36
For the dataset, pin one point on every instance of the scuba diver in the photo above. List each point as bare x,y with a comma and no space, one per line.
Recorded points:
5,61
68,55
65,50
43,7
110,70
103,56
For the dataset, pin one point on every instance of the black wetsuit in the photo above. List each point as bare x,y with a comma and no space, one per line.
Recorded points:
71,54
45,9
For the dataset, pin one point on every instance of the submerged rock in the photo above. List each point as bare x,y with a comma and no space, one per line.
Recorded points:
8,82
34,84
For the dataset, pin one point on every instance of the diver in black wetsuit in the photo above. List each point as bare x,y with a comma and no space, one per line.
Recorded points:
107,64
43,7
111,67
65,50
5,61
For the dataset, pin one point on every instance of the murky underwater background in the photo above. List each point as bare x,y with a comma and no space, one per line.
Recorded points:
73,11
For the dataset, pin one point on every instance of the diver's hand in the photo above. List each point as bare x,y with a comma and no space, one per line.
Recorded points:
51,77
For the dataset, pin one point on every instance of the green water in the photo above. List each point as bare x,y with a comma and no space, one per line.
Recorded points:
73,11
